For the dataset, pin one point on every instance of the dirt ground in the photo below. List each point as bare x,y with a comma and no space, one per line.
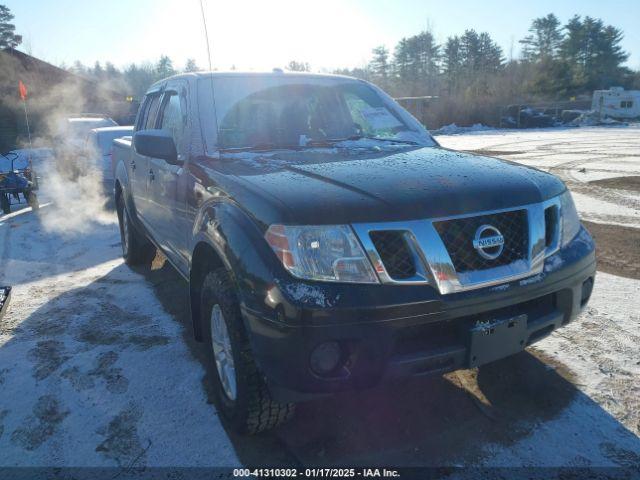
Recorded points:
631,184
618,249
98,366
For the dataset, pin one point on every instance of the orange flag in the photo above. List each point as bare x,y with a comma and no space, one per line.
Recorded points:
23,90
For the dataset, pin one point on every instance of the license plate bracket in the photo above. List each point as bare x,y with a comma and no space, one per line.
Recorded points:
495,339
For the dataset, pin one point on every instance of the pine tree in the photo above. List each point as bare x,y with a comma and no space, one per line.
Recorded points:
191,66
470,51
110,70
164,68
490,57
97,71
379,65
544,39
8,38
427,58
401,61
593,54
78,68
295,66
140,77
452,62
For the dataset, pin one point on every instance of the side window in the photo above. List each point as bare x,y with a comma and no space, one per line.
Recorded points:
173,118
144,112
150,119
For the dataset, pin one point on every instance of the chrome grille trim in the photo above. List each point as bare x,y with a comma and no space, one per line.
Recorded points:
434,265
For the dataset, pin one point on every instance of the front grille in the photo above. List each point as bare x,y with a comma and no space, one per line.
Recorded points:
395,253
458,234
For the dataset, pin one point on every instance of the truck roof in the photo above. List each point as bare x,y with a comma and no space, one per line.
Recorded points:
234,73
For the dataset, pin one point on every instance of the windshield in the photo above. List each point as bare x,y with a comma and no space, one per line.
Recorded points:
290,112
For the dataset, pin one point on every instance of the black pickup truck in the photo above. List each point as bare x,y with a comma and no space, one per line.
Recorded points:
330,243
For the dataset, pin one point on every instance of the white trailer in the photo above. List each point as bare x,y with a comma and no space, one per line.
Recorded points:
616,103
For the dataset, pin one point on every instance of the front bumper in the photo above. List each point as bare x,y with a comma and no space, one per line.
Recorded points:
390,331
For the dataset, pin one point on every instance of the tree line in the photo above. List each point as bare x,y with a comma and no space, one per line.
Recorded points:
134,79
557,61
472,78
469,73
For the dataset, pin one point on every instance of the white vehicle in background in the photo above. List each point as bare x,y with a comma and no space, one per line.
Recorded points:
77,128
98,148
71,138
616,103
71,132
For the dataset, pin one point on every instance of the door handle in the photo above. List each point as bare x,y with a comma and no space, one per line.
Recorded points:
133,164
152,177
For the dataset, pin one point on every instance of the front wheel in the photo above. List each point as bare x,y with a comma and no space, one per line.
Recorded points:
240,392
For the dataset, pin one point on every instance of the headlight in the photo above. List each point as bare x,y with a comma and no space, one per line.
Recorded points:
327,253
570,219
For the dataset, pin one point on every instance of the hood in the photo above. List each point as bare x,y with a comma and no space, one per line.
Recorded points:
315,187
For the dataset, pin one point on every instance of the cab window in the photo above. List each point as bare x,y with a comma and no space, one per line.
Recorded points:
150,120
173,118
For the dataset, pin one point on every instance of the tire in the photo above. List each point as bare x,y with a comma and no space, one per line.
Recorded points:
4,202
136,248
32,200
251,410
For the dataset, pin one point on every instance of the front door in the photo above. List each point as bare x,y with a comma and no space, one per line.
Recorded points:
138,166
166,199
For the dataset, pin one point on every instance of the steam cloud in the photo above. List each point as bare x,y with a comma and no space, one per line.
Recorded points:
77,203
69,181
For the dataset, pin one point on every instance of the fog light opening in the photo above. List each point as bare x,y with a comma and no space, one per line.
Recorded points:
326,358
587,288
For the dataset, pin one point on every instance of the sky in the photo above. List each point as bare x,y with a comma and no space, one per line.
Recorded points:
261,35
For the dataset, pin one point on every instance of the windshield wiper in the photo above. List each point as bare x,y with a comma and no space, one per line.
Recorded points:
329,142
382,139
262,147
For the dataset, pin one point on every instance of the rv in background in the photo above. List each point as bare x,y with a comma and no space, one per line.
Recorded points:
616,103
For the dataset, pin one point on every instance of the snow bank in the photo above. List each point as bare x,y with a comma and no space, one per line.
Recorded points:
453,129
592,119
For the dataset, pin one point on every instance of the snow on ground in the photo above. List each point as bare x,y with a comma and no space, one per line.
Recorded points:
599,211
602,350
453,129
93,371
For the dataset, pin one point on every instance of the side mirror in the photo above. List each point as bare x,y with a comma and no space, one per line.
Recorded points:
156,144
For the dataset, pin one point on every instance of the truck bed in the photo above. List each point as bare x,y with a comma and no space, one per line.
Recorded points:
121,150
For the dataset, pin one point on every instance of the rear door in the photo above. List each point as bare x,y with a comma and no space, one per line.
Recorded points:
139,164
166,198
